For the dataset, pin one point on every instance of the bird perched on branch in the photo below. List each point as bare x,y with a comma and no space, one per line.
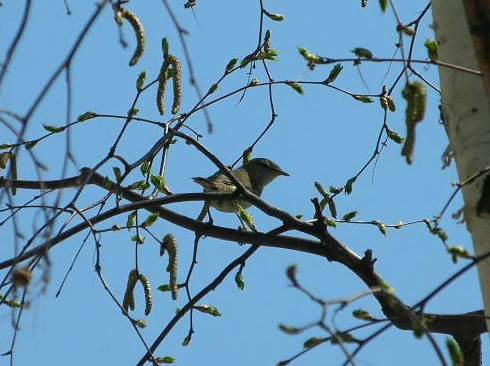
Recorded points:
254,175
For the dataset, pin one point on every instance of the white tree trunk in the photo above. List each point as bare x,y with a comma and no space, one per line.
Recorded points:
467,117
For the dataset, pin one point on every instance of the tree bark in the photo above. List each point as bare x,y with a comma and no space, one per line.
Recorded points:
466,116
478,19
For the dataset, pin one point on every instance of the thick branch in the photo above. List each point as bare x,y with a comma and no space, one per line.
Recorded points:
466,325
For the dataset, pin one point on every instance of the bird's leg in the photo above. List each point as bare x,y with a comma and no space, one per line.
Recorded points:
205,211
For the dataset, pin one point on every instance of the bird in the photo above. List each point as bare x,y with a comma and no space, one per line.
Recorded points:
254,175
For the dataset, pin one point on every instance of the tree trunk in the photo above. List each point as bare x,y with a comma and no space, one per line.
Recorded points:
466,115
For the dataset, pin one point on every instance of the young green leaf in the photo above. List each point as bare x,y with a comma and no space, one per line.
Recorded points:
131,220
270,55
117,173
432,49
150,220
455,352
158,181
458,252
145,167
309,56
246,217
381,227
348,185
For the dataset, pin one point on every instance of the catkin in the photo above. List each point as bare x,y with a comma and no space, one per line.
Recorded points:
128,302
147,290
170,68
170,245
162,86
177,83
416,96
137,26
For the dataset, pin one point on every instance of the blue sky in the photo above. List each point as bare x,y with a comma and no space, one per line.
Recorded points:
323,136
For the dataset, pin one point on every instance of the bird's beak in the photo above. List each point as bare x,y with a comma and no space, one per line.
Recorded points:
281,172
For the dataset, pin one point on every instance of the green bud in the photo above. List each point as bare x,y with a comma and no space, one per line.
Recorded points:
313,341
296,87
207,309
349,216
343,337
274,16
186,341
133,112
53,129
86,116
164,288
138,239
406,30
392,135
309,56
288,329
362,315
363,98
239,281
141,323
166,359
140,82
231,65
268,35
291,274
337,69
213,88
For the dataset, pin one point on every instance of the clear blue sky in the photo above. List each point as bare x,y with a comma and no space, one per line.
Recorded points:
323,136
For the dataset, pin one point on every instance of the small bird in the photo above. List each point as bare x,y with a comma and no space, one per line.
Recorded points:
254,175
